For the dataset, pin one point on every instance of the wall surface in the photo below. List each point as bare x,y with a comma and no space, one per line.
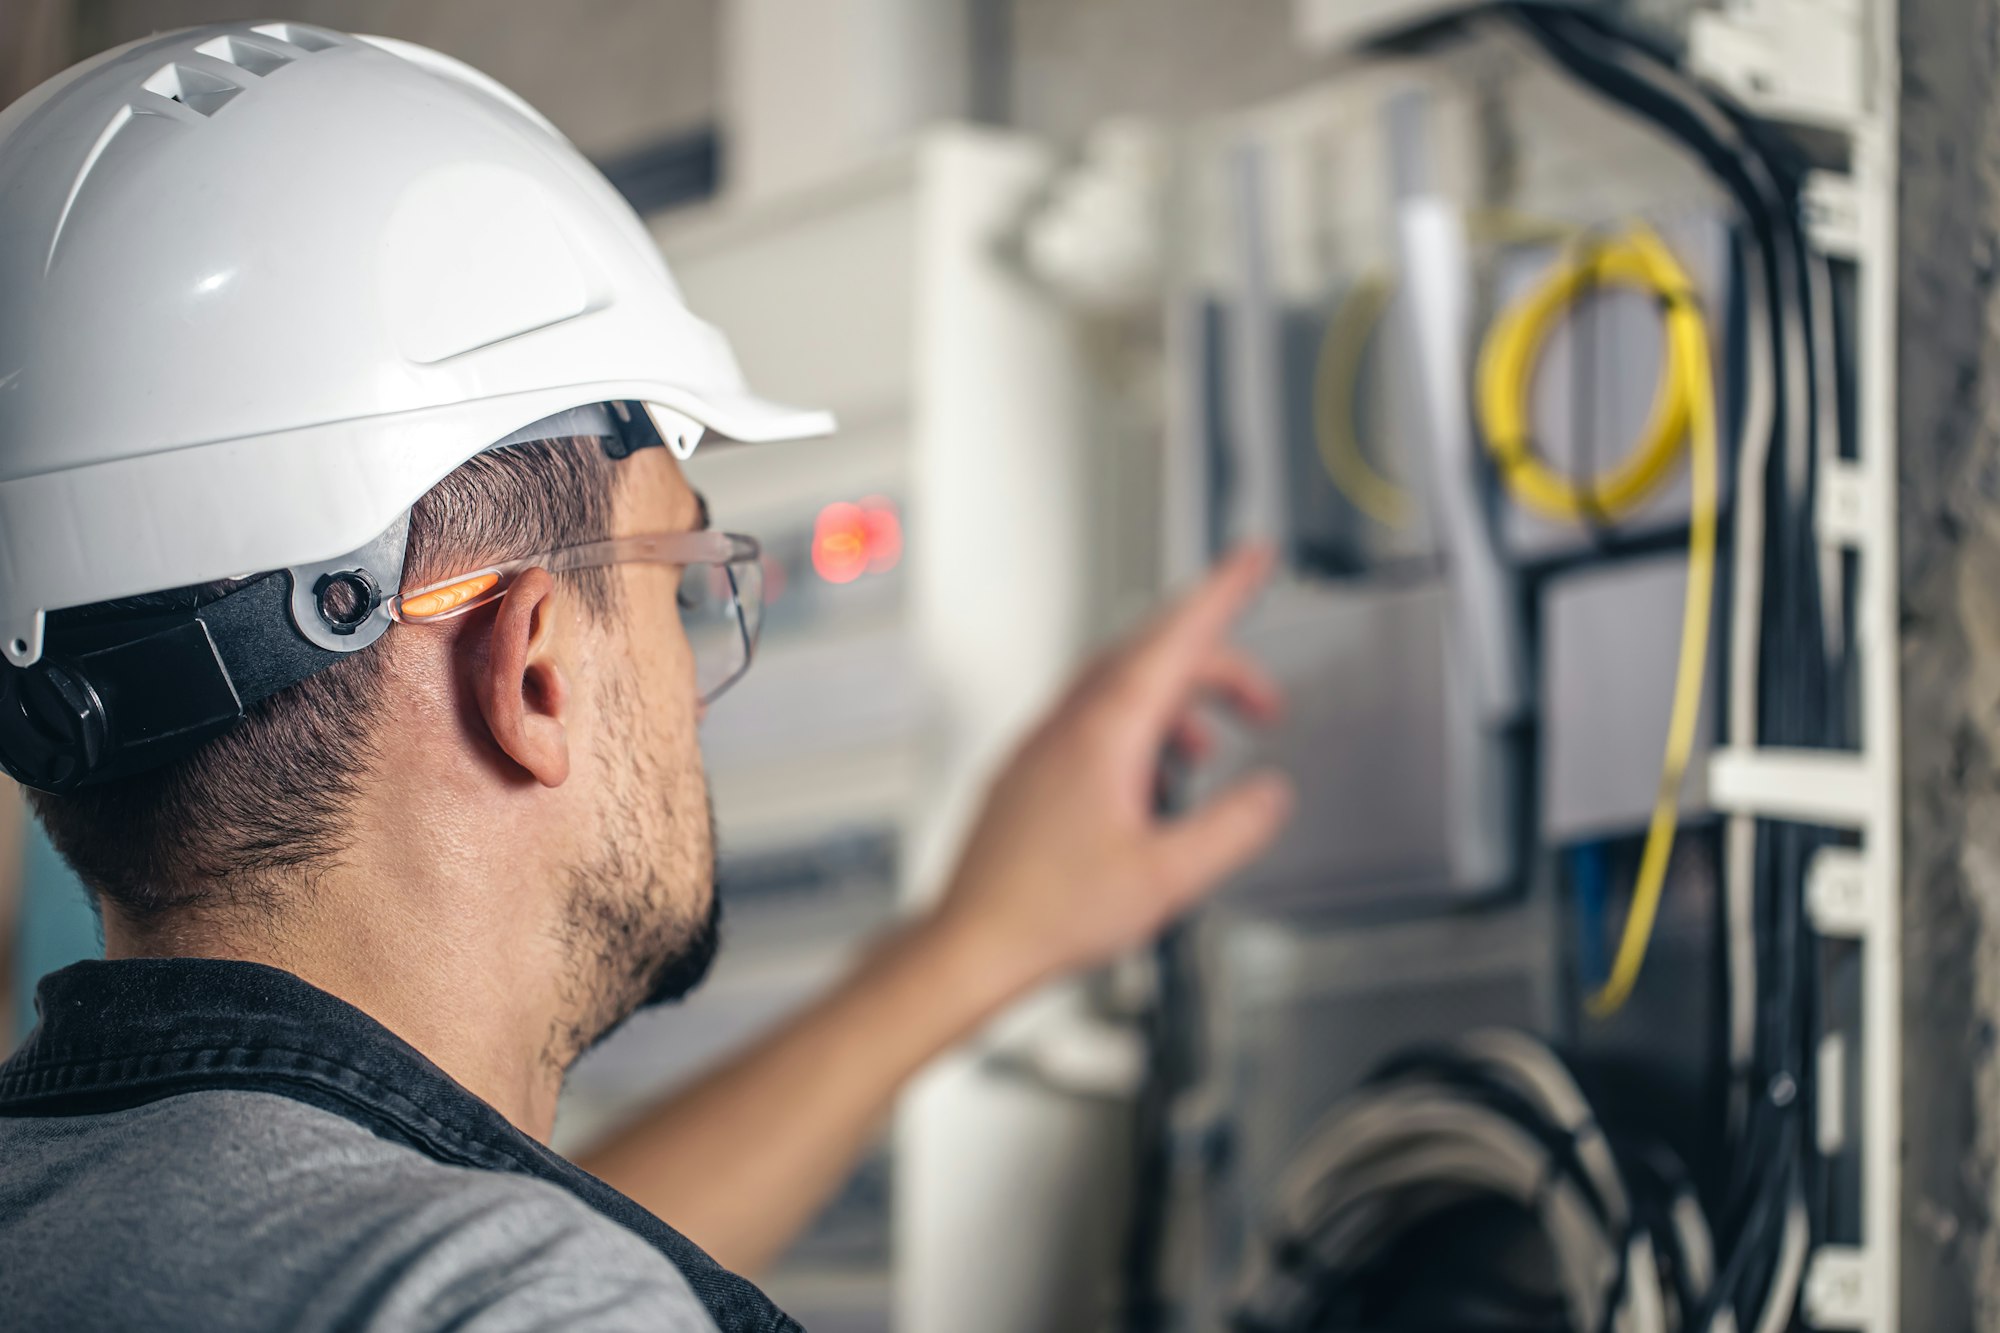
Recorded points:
814,89
614,74
1070,63
1950,465
1076,61
34,43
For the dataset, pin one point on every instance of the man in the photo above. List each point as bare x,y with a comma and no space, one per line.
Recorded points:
388,829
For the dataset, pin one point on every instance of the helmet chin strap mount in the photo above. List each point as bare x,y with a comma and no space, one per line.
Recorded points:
342,605
115,691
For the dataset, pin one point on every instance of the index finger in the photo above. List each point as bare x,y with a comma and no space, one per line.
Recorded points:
1164,660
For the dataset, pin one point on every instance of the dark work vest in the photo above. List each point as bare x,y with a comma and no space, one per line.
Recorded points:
120,1034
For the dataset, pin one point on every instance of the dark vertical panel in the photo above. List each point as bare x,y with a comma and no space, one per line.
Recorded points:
684,169
990,25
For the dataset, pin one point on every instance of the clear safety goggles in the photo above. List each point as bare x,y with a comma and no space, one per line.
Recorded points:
721,597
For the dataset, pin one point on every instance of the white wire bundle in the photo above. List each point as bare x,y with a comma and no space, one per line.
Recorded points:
1495,1116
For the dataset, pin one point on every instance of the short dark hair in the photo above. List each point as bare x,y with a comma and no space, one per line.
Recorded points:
272,794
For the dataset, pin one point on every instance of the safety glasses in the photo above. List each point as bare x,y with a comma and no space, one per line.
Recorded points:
721,596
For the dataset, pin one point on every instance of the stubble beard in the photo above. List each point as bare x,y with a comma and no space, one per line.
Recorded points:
630,931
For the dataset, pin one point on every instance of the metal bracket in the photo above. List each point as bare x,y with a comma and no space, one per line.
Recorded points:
1827,787
1843,513
1832,207
1836,1292
1837,893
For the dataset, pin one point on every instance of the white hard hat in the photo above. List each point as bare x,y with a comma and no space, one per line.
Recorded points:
263,286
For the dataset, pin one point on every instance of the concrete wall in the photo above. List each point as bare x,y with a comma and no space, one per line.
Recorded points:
1076,61
614,74
1950,464
813,88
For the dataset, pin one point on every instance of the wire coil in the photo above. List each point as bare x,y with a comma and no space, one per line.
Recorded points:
1683,421
1514,347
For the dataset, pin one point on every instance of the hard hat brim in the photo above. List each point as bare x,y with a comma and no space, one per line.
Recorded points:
749,419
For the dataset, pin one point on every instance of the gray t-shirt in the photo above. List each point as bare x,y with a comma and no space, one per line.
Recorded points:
240,1211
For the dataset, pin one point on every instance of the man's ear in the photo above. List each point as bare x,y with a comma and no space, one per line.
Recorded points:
520,688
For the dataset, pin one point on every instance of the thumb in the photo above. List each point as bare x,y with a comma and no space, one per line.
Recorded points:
1203,848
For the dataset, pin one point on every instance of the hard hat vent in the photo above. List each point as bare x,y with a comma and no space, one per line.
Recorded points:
206,89
194,88
299,35
245,55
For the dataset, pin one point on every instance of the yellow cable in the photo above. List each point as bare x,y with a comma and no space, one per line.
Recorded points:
1683,416
1335,380
1337,372
1506,375
1690,338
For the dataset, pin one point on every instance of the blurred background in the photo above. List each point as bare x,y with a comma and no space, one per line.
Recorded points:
1432,296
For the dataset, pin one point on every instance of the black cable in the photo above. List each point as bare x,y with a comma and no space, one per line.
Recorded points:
1173,1063
1793,686
1170,1070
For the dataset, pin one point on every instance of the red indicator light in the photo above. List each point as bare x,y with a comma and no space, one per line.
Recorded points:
850,540
884,534
840,543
